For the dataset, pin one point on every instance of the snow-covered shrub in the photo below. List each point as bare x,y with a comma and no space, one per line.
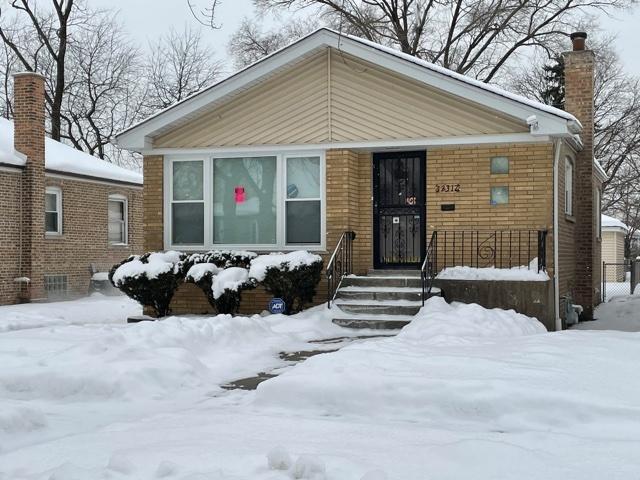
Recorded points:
221,275
150,279
292,276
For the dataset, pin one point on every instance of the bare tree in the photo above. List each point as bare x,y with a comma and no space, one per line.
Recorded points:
51,31
250,42
205,15
470,37
616,109
179,66
103,71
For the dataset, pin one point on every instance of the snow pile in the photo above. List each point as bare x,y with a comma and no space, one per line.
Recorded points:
522,273
199,270
229,279
282,261
154,265
463,365
441,323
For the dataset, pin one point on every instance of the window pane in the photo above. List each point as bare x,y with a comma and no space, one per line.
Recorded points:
303,222
50,204
51,222
499,195
244,200
499,165
187,180
116,210
116,232
303,177
188,224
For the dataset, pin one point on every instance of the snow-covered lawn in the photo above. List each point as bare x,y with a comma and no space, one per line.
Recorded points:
462,392
96,309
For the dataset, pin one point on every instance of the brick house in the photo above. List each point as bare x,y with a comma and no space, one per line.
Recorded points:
62,212
336,134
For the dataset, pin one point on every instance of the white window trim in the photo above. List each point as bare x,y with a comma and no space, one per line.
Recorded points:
57,191
280,244
598,213
568,182
125,201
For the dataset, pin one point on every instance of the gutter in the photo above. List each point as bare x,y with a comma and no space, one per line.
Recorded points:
556,241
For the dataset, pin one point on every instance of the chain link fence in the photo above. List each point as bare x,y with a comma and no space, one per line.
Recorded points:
619,279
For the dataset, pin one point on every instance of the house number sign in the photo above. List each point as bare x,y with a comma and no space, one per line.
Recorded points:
447,187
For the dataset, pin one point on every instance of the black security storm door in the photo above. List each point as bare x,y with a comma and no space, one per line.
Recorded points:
399,209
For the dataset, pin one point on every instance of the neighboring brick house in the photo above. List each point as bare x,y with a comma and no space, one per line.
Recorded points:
335,133
63,213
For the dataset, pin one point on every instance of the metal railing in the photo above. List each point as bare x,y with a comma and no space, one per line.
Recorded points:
481,249
340,264
428,270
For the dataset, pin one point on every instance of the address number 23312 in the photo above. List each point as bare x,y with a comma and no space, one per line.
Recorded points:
448,187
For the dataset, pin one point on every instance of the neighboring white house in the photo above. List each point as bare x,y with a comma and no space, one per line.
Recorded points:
613,234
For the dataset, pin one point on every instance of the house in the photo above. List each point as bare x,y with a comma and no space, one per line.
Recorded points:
64,215
613,239
335,134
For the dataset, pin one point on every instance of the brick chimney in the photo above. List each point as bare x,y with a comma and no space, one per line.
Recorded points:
579,90
28,139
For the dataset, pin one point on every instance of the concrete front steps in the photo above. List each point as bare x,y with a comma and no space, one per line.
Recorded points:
383,299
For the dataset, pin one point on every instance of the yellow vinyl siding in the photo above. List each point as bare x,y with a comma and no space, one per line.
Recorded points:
333,97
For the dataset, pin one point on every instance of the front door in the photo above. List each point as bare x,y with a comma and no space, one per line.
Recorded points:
399,209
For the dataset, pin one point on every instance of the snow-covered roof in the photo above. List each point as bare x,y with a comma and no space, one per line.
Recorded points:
548,120
613,223
65,159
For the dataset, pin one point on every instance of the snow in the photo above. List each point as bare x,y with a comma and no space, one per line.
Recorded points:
63,158
621,313
611,222
229,279
199,270
156,264
521,273
95,309
461,392
291,260
100,276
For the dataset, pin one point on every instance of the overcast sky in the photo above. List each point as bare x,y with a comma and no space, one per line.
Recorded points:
147,19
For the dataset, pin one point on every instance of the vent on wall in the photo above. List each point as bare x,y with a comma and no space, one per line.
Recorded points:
55,286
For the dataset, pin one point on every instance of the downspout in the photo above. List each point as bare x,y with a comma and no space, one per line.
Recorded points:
556,241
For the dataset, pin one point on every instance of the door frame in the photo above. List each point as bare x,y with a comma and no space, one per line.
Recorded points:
375,157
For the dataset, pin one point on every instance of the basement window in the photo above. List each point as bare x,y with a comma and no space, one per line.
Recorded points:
55,286
53,211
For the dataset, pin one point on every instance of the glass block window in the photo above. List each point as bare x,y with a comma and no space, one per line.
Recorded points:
55,286
499,165
499,195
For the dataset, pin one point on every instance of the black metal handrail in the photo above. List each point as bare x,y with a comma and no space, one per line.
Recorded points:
340,264
428,270
482,248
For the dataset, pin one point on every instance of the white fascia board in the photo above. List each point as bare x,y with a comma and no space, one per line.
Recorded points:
374,145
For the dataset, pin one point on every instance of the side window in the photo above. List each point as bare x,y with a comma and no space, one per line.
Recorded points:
117,213
568,186
53,211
